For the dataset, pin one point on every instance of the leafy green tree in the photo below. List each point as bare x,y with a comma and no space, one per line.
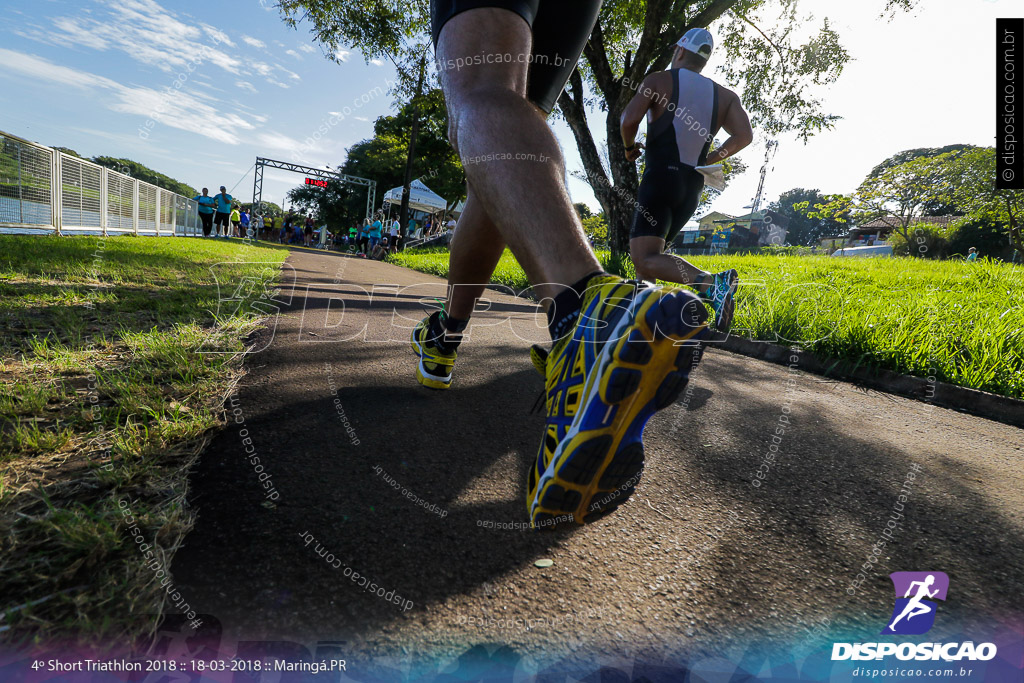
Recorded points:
69,152
932,208
596,228
583,210
383,158
269,208
902,192
776,74
804,230
973,189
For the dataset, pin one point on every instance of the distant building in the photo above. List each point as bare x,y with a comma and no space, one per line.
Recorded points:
705,227
757,229
882,228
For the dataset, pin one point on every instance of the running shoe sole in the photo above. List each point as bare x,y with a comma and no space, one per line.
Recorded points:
598,464
422,376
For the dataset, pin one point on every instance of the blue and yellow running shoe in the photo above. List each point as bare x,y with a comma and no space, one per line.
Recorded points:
628,356
436,365
721,295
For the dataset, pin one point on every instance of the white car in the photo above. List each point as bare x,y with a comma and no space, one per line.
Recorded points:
873,250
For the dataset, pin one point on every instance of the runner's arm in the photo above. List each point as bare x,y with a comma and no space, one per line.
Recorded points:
736,123
633,114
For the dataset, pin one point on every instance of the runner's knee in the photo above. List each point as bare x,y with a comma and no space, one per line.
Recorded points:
478,100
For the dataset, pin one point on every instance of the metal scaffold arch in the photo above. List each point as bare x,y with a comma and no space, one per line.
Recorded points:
261,163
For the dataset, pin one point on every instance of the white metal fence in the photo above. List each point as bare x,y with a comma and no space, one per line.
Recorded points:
43,191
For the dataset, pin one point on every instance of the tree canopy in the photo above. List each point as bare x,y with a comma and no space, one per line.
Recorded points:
383,158
779,76
804,230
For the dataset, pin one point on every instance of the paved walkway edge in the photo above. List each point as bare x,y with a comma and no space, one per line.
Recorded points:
972,401
929,390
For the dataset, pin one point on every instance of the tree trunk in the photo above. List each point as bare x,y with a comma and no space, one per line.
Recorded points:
624,178
617,194
403,212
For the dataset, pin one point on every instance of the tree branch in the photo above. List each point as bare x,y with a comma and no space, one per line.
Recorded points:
597,57
782,57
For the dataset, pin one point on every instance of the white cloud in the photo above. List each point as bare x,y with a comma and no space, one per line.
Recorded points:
262,68
246,85
146,32
307,48
253,42
293,53
171,107
291,74
342,55
217,35
377,62
278,141
43,70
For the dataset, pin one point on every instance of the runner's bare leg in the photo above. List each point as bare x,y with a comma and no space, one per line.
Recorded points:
489,114
475,250
652,263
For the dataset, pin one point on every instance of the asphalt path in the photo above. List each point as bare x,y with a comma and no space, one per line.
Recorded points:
423,494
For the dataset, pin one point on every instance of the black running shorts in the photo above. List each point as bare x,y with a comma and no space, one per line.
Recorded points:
560,30
222,219
667,198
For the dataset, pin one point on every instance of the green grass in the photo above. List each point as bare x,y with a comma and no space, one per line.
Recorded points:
962,323
104,397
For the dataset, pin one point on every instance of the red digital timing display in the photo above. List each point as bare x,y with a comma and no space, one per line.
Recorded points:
314,181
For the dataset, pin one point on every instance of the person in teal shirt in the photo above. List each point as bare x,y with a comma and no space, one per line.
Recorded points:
972,254
223,210
375,233
206,204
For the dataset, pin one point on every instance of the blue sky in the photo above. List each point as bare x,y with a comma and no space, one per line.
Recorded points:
105,77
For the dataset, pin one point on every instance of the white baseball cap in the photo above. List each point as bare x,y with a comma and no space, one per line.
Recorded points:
697,41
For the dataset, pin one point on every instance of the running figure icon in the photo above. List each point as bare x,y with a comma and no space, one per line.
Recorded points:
916,592
915,607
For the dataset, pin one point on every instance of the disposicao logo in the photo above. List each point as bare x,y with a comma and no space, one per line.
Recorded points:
914,614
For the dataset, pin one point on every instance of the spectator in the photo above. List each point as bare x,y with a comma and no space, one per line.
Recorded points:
236,220
375,233
412,228
380,250
286,228
972,254
244,221
257,226
395,233
308,232
206,204
223,216
451,223
364,237
353,237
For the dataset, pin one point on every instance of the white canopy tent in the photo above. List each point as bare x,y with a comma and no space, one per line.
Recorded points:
421,198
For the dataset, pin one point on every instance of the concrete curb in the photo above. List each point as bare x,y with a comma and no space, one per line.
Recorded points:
980,403
972,401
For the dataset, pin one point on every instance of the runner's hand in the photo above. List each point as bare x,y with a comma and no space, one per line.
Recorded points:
634,153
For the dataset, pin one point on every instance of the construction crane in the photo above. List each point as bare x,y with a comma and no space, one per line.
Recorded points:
769,153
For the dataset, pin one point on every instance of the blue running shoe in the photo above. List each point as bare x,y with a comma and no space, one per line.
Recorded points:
721,295
629,355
